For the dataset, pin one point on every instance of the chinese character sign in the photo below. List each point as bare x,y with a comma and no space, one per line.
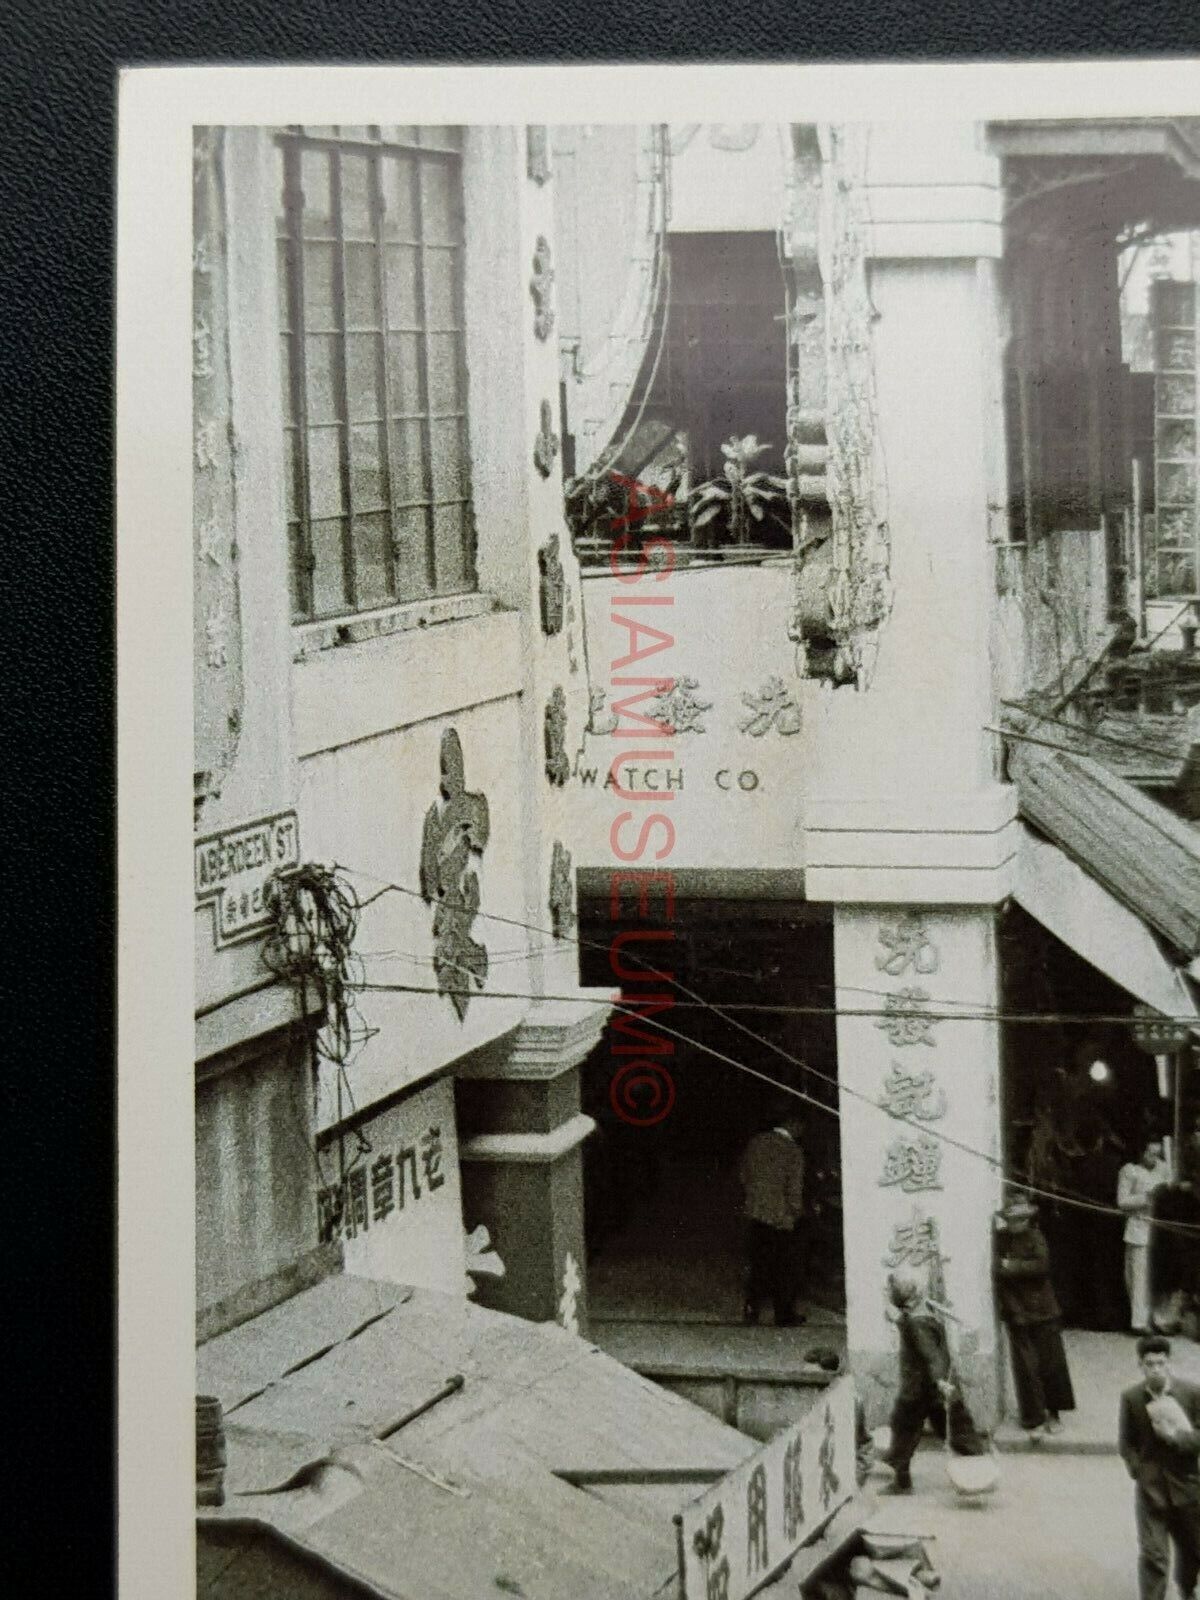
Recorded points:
911,1093
396,1207
737,1535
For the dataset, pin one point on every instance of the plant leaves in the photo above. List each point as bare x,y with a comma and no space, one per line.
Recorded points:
703,518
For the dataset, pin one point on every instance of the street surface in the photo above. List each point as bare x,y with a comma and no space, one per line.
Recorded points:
1057,1525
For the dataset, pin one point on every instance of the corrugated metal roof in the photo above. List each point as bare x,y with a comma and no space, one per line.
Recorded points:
463,1501
1144,854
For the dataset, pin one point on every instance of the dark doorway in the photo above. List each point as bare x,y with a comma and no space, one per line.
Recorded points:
1080,1099
664,1201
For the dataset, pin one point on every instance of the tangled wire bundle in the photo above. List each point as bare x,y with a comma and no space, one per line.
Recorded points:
315,918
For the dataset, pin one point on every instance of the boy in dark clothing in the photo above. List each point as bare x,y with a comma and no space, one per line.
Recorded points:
926,1389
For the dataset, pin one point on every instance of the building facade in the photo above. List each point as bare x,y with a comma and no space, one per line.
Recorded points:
387,623
696,512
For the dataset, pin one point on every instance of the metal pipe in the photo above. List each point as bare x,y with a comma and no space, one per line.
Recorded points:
1137,555
451,1386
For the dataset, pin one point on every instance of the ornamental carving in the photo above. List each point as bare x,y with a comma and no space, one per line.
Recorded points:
907,1019
551,586
772,707
537,153
562,892
554,723
906,947
680,709
545,446
568,1300
455,830
836,481
541,287
827,1457
217,626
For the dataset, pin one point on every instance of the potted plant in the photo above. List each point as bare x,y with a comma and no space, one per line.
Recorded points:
740,498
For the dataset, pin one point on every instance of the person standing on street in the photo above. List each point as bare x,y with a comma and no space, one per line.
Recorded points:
1136,1184
772,1175
1029,1308
1159,1441
926,1391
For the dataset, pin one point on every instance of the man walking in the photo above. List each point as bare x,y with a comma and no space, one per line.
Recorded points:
1160,1443
772,1174
926,1391
1136,1184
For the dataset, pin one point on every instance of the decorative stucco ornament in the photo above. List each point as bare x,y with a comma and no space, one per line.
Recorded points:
562,891
541,287
554,723
545,445
860,596
551,586
568,1300
537,153
218,688
455,829
836,481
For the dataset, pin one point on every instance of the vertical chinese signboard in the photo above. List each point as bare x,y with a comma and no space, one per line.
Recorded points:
738,1535
911,1093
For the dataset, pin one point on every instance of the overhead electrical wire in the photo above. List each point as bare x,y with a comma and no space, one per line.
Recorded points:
994,1162
1062,1196
970,1011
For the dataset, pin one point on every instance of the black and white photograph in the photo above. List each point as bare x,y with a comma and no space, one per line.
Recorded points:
687,634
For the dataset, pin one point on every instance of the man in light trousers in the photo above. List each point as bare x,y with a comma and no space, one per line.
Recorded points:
1136,1184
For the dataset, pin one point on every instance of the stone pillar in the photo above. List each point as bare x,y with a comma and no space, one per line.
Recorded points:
919,1094
908,831
521,1154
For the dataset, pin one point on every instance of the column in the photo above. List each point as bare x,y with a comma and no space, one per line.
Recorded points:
908,831
522,1133
919,1097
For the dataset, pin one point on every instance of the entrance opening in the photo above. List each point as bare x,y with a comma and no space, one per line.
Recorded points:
665,1231
1080,1100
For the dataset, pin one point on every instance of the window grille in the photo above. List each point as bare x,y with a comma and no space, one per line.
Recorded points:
370,256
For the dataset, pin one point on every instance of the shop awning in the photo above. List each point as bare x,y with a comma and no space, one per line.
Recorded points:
1144,855
551,1470
1087,917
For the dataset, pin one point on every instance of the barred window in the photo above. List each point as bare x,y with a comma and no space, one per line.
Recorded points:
370,251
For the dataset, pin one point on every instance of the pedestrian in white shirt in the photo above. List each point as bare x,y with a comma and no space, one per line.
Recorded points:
1136,1184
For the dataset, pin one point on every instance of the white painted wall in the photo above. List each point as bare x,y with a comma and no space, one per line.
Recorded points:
262,779
364,806
729,628
717,187
963,1060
